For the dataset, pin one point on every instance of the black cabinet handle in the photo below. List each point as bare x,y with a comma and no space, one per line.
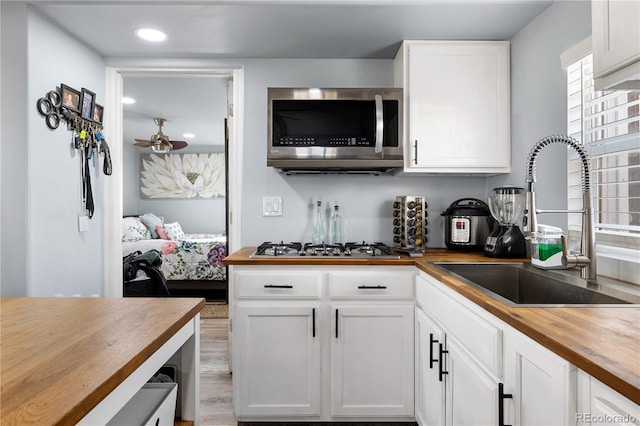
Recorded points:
372,287
442,372
431,342
313,322
501,397
336,323
415,155
277,286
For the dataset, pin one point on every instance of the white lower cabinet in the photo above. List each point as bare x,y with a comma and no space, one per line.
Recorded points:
598,404
429,385
323,343
542,384
277,369
372,360
503,378
471,392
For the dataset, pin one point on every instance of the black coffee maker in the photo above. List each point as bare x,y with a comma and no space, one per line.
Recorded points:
506,239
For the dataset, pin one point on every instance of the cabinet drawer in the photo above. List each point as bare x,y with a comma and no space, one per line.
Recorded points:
371,285
481,338
276,285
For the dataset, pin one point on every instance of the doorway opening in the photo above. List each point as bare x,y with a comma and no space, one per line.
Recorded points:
207,103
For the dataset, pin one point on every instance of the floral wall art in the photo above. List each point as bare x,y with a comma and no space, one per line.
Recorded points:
182,176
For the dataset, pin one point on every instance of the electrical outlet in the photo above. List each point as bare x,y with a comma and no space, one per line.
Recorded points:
271,206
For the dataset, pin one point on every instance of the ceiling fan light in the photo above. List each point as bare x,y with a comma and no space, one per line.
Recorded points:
160,148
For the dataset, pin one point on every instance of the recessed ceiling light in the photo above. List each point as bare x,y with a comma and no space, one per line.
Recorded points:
188,135
150,34
128,101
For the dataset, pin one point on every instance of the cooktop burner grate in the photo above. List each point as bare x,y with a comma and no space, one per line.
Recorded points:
350,249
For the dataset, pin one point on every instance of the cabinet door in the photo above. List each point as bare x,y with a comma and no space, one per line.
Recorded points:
277,360
459,106
616,36
541,383
372,360
609,407
429,390
472,395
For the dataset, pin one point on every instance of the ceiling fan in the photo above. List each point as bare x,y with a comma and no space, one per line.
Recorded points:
160,142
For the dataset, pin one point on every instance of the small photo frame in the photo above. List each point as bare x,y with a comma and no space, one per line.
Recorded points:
70,98
98,110
88,99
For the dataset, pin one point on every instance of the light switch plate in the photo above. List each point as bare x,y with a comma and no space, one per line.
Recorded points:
83,223
271,206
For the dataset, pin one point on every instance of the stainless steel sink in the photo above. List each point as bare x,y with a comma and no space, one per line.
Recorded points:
522,285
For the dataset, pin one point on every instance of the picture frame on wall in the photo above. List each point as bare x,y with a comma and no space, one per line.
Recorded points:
194,176
98,111
88,99
70,98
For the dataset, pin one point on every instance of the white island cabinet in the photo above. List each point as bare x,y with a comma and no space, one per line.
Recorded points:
488,372
328,343
457,106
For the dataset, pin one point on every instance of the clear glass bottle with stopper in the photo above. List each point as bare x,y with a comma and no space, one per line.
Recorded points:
319,235
336,226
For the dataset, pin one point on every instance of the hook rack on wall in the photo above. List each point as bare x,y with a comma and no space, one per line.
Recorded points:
83,117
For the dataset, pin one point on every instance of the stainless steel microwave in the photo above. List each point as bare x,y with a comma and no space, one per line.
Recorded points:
347,130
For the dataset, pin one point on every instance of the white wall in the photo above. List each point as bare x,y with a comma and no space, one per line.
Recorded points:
538,101
14,167
64,260
43,252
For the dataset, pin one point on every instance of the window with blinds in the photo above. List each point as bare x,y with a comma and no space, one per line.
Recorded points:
608,125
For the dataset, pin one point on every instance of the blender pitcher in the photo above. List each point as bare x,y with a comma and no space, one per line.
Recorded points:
507,207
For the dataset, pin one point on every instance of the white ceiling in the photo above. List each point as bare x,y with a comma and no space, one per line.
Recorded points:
269,29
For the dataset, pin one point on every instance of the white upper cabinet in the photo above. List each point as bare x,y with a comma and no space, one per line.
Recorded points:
615,26
457,106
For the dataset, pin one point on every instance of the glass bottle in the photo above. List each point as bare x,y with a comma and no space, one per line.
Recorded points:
336,227
319,235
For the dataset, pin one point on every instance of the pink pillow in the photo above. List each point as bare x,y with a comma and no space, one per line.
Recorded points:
161,232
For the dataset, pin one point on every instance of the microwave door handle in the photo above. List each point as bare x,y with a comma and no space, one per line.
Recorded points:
379,123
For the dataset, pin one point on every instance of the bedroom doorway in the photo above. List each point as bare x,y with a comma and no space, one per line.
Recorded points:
123,193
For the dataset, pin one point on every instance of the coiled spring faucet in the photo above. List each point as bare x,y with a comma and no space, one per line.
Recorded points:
586,260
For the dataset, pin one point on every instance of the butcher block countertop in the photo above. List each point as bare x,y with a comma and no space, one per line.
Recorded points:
602,341
61,356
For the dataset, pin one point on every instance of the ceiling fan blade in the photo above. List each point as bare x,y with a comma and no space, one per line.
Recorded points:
143,143
178,144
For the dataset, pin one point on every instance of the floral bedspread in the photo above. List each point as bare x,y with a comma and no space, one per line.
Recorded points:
196,257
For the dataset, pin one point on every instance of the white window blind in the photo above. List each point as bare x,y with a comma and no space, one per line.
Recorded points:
608,125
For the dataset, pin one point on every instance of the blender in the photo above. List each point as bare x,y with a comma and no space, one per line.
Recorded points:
506,239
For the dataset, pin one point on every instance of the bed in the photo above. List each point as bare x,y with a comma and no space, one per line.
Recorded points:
191,263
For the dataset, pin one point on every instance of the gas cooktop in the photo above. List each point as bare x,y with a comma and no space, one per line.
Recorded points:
296,249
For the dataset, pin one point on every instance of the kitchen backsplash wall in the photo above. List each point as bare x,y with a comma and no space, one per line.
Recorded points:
365,201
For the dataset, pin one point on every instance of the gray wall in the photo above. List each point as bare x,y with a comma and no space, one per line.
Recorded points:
538,101
41,231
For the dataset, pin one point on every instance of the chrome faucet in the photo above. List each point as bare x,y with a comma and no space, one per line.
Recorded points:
586,260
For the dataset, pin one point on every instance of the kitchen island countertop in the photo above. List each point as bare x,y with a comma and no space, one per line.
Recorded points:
602,341
62,357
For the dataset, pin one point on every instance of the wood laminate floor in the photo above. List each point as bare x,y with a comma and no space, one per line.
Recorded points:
216,404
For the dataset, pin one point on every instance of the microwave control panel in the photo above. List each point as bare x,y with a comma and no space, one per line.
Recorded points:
325,141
